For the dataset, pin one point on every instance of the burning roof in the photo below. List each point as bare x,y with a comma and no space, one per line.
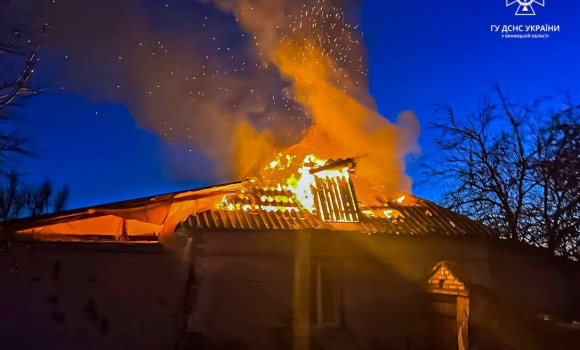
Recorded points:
325,196
420,217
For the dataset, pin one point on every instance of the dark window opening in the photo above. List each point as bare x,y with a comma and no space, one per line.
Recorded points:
324,295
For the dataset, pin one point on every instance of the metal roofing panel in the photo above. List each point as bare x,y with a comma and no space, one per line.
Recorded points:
420,218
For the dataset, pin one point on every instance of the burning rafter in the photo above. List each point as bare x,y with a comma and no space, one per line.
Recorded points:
319,186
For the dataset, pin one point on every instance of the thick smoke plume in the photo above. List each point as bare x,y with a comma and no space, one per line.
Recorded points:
234,81
186,71
316,50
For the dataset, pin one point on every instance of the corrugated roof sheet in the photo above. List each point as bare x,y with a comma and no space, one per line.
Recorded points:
252,205
254,220
420,218
336,208
424,218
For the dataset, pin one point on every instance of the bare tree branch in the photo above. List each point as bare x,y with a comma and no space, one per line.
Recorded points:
60,199
19,50
515,167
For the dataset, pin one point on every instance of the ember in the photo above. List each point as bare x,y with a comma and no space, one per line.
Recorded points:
309,176
318,55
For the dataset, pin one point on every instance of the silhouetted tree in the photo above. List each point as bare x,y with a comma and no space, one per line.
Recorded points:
12,199
60,199
515,167
18,199
556,222
18,59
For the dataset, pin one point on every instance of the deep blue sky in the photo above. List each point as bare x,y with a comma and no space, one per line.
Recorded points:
423,52
419,52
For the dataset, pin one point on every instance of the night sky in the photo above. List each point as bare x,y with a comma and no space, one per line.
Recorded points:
144,96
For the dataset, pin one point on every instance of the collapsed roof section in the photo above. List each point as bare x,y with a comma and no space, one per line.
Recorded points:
337,201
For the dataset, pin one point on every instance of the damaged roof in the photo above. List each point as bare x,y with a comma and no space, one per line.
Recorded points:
252,205
143,219
421,218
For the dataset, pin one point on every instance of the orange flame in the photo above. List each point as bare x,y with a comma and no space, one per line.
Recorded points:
301,184
302,187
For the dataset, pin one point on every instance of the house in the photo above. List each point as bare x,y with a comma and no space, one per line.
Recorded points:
248,265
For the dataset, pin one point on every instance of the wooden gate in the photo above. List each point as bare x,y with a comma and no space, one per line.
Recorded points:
441,321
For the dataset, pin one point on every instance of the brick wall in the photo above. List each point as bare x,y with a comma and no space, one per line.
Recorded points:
90,296
444,281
